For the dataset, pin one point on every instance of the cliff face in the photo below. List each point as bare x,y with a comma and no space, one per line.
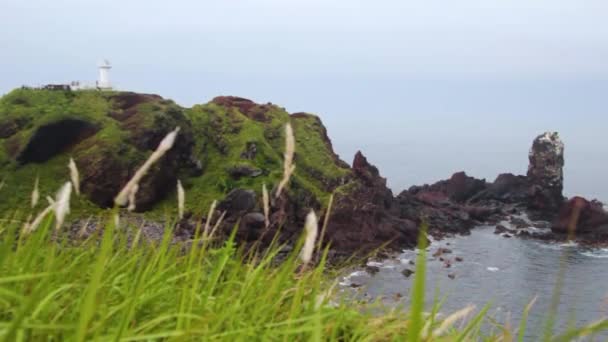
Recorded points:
226,144
228,148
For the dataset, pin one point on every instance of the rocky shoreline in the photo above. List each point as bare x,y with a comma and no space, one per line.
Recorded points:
529,207
231,147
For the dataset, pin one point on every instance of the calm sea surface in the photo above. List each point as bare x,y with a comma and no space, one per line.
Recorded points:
506,272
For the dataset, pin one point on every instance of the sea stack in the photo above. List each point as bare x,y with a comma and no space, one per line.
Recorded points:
545,172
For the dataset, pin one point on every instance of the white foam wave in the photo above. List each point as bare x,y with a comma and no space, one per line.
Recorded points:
596,253
493,269
346,280
569,244
374,264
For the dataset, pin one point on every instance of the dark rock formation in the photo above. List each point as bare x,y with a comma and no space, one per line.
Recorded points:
251,227
579,216
238,201
545,172
462,187
507,188
361,217
407,272
251,150
240,171
228,148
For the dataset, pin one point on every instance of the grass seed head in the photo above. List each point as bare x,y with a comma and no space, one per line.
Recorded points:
311,227
62,204
30,227
167,143
127,191
209,217
266,204
288,164
35,193
451,319
181,199
132,197
74,176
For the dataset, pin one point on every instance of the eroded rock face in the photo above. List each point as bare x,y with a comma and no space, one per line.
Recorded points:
545,172
579,215
361,219
249,108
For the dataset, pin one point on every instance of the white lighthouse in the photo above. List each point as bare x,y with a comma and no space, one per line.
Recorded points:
104,75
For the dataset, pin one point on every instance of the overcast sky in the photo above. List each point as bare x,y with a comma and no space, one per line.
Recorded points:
424,88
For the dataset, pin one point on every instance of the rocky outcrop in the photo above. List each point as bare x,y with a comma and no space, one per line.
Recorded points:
361,217
580,216
545,173
227,149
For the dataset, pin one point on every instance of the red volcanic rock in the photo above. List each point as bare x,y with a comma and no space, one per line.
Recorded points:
126,104
458,188
579,215
367,172
361,219
249,108
461,187
433,198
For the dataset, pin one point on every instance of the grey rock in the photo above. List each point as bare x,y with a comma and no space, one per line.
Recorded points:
238,200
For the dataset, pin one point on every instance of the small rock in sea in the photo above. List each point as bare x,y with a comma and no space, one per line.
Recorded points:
519,223
542,224
355,285
447,264
500,229
441,259
447,243
412,262
451,275
458,259
506,235
398,296
440,251
524,233
407,273
372,270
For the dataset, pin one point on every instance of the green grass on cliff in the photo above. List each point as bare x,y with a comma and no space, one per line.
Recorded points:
220,134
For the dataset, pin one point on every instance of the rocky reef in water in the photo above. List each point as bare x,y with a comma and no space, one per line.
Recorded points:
228,148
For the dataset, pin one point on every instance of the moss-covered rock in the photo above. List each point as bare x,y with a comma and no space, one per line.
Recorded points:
229,143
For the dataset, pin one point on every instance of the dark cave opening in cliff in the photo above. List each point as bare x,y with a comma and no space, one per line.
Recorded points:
54,138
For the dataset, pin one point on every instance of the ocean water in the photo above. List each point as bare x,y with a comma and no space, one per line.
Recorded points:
505,272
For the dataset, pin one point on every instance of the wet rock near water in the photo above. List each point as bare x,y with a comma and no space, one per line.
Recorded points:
580,216
407,272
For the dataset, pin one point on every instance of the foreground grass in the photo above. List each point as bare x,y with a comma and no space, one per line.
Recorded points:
101,289
107,288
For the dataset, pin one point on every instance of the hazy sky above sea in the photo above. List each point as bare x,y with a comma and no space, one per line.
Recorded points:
424,88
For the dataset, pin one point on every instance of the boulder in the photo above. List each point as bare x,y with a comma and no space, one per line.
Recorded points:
238,201
241,171
251,227
579,216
